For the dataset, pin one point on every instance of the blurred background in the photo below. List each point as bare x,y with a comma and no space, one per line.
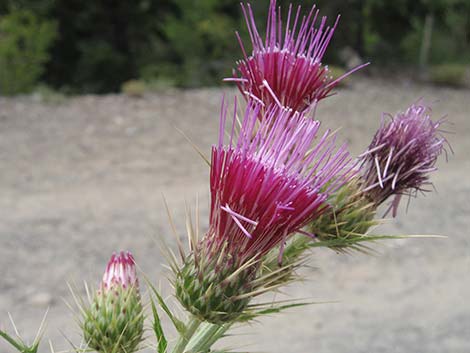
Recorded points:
90,95
75,47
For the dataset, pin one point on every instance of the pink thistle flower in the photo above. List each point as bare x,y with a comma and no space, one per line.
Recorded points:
271,180
120,272
401,155
285,68
267,181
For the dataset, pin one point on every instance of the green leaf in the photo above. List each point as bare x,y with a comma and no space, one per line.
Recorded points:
179,325
157,328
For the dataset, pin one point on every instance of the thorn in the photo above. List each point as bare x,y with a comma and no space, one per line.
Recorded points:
173,227
194,146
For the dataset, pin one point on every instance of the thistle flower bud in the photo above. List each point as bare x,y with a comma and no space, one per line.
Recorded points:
401,155
285,68
114,321
350,216
266,184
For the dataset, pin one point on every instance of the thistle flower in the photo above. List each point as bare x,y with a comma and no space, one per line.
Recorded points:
285,68
265,185
271,181
401,155
114,321
398,161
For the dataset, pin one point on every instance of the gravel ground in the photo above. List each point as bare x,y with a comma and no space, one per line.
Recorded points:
85,177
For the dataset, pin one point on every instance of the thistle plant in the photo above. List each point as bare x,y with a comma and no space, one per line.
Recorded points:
113,323
278,187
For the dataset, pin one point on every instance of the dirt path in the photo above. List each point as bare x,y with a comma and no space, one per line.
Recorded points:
84,178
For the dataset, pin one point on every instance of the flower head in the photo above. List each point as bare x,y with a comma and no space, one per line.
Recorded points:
285,68
270,180
114,321
401,155
266,183
120,272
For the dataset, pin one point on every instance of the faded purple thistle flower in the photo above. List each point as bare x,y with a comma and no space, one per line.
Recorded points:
270,181
285,68
402,154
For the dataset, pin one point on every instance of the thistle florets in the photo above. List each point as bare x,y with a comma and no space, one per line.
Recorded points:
402,154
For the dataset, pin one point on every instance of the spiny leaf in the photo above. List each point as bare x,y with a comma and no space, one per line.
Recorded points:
359,238
272,309
18,344
179,325
40,332
157,328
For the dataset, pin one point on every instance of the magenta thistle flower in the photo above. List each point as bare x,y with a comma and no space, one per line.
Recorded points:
120,272
285,68
402,154
266,182
270,181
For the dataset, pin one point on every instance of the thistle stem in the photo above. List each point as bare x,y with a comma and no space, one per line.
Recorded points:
182,342
206,336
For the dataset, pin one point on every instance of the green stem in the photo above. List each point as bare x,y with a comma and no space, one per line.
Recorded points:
191,328
206,336
219,334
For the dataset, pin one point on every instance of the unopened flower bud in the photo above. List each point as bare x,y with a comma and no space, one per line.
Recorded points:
114,321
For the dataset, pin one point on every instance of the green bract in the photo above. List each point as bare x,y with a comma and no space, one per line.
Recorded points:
214,289
114,323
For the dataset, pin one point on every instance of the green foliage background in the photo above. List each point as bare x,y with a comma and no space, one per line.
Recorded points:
24,43
95,46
